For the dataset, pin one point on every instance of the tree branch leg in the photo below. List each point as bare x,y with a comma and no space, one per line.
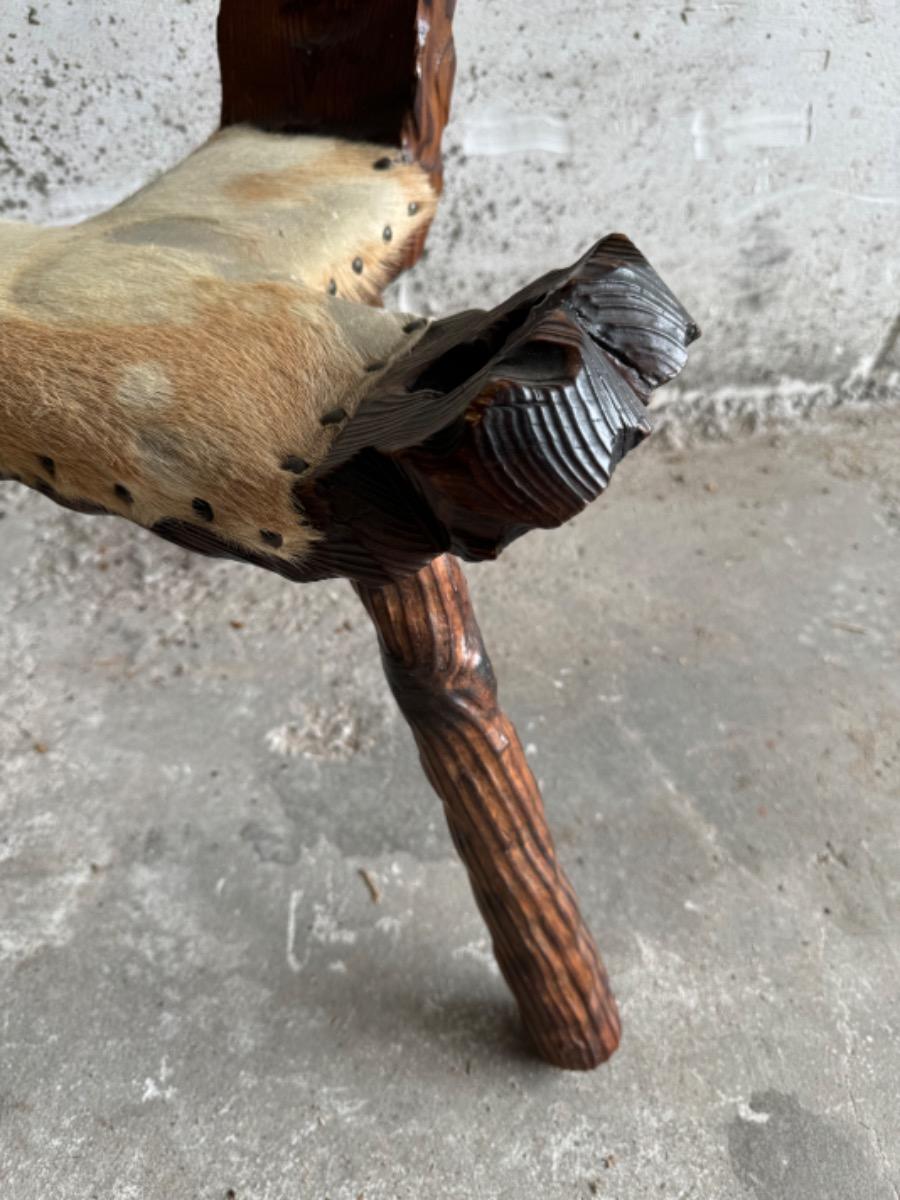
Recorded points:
440,674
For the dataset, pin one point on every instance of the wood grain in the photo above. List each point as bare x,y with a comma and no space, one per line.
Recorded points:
441,676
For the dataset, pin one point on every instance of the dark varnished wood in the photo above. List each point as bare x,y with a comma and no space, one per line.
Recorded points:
441,676
515,419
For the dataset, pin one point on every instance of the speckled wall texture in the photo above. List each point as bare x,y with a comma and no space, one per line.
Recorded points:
752,150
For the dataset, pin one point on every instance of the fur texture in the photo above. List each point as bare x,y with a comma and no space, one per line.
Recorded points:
187,354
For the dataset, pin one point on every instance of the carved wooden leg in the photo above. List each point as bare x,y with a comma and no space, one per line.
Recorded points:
440,674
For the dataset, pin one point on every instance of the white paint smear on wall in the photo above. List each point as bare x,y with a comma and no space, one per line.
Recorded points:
503,131
753,130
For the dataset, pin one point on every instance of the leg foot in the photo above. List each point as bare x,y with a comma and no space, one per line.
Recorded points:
438,669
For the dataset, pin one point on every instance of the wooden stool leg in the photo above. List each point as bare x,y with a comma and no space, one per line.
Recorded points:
440,674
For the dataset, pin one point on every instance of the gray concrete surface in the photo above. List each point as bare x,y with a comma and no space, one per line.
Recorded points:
752,151
199,993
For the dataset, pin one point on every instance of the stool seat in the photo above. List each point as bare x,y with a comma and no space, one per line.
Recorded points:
207,359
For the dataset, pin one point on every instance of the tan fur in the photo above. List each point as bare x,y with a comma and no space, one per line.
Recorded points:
296,207
184,343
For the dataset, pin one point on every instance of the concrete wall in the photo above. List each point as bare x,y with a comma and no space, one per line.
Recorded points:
751,149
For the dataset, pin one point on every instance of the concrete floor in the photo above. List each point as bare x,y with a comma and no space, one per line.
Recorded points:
199,997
